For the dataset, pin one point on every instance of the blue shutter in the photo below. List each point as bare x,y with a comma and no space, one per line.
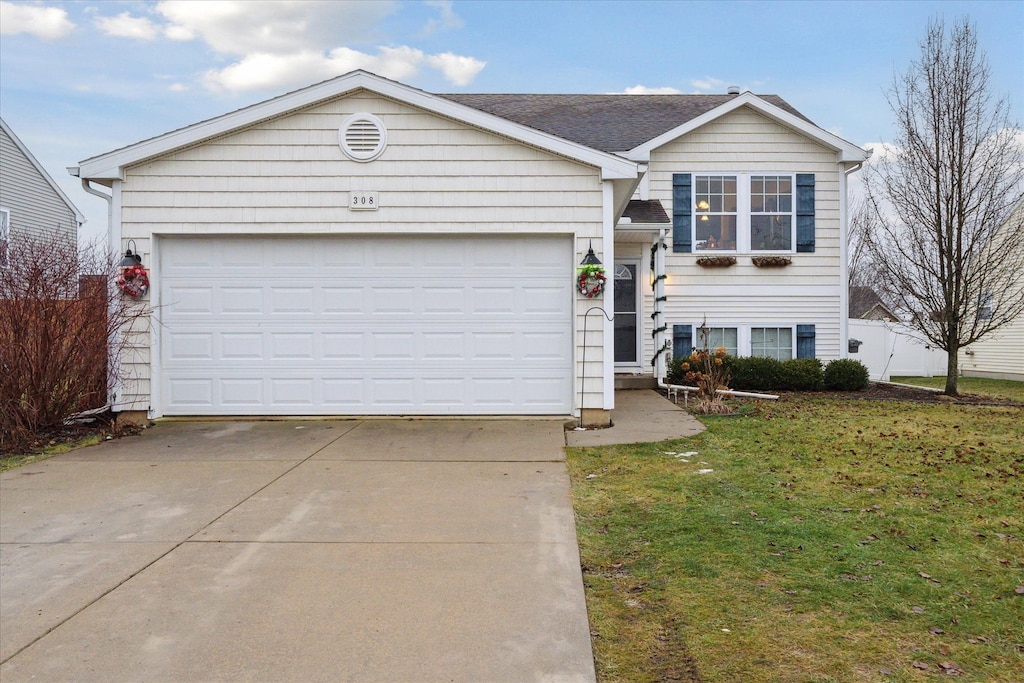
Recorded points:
805,341
682,341
682,218
805,212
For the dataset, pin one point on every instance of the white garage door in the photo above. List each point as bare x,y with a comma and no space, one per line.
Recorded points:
365,326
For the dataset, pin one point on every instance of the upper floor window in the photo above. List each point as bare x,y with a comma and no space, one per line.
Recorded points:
716,212
744,212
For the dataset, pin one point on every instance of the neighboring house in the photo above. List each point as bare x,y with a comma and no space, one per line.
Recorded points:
32,206
1001,354
363,247
865,304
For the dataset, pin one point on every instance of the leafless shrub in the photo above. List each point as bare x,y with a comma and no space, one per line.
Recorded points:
60,316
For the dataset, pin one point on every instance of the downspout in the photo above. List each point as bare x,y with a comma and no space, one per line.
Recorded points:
114,245
844,264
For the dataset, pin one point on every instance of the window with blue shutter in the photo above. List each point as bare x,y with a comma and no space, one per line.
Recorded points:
682,219
805,212
682,341
805,341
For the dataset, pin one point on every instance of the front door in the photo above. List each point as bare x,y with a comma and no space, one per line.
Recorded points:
627,333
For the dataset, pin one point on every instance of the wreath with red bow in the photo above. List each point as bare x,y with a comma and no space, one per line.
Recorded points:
590,281
134,281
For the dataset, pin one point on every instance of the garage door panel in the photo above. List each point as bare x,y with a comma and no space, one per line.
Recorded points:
361,333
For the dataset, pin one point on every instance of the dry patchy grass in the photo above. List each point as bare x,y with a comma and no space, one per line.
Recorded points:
834,540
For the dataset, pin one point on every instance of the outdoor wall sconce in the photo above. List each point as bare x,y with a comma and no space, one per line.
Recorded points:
590,276
131,258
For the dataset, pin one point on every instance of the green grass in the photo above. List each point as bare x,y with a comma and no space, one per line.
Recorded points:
999,388
9,462
830,541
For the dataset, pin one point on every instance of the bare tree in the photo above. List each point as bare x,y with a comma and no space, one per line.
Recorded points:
947,252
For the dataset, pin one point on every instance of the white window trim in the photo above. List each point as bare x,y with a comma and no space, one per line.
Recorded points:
744,336
742,213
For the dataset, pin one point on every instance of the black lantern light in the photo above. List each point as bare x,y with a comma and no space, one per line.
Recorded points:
131,258
591,258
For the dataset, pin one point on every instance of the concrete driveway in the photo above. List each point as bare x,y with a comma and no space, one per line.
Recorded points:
359,550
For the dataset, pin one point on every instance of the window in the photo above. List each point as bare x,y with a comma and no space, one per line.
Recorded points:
719,336
716,209
985,306
5,235
744,212
771,213
773,342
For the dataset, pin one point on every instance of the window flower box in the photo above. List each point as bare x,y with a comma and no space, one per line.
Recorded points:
716,261
771,261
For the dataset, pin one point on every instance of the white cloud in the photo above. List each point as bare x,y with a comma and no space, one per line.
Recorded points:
48,23
282,28
178,87
644,90
263,71
179,33
709,83
124,25
456,68
446,19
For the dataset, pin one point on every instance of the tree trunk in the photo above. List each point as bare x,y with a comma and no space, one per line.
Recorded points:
952,369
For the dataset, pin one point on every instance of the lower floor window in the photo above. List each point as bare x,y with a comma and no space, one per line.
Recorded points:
719,337
773,342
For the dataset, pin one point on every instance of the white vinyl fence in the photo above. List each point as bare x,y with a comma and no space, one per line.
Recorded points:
890,349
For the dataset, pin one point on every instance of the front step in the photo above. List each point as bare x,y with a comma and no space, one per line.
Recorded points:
635,382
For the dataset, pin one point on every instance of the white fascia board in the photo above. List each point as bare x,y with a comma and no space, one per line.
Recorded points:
111,165
79,216
847,151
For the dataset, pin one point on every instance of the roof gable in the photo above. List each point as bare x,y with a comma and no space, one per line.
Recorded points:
42,171
110,165
846,151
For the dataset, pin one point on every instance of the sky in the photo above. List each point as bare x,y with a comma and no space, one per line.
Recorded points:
78,79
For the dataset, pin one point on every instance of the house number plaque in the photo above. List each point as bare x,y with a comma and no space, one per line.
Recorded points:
362,201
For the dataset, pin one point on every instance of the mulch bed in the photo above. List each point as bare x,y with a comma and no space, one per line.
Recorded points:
102,425
890,392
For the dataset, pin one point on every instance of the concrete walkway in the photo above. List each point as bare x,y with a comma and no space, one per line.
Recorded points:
640,416
390,550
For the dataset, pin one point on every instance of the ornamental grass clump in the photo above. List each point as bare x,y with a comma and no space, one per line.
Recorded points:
708,372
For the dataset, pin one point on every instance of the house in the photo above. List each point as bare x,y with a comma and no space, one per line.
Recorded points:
363,247
865,304
1000,355
32,206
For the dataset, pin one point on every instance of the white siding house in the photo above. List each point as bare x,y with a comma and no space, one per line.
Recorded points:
32,206
362,247
1001,354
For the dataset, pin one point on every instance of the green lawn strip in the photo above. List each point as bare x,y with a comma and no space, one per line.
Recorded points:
828,543
9,462
982,386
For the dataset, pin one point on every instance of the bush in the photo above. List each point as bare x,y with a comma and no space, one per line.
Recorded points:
846,374
755,373
800,374
57,325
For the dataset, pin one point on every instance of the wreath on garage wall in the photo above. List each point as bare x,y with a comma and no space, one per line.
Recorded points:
590,280
134,281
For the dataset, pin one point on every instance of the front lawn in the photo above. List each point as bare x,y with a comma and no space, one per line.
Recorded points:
819,539
982,386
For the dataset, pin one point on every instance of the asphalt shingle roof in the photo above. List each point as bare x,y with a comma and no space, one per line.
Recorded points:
646,211
610,123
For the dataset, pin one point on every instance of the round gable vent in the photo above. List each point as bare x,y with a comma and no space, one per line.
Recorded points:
362,137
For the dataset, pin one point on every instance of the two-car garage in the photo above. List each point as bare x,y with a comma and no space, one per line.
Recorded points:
364,325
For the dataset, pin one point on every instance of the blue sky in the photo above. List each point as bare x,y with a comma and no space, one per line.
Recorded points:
79,79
